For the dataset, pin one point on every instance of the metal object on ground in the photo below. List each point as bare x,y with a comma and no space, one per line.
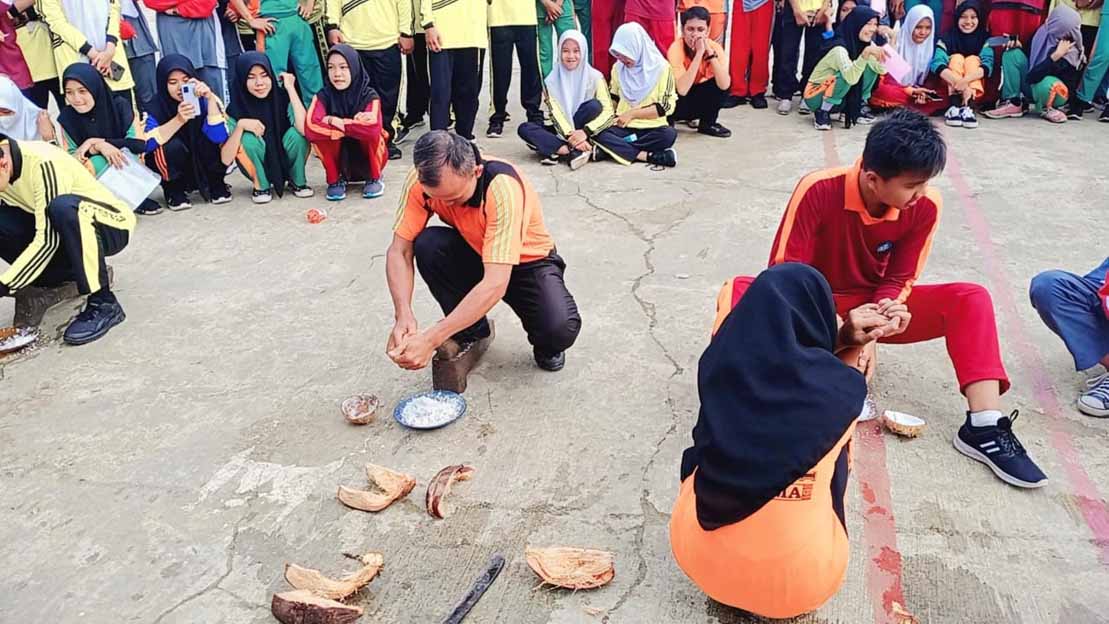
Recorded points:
496,564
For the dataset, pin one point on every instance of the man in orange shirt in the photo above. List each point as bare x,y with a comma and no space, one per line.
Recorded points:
496,248
700,74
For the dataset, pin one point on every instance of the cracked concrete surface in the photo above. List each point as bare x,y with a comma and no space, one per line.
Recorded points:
166,474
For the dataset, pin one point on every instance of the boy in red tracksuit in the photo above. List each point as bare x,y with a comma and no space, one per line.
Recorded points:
868,228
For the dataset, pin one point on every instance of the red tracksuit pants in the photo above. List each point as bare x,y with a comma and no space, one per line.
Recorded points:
607,16
331,154
961,313
750,54
662,32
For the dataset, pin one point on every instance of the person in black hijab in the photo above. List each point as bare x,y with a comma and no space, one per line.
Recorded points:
99,125
184,143
848,70
964,62
267,129
345,125
764,482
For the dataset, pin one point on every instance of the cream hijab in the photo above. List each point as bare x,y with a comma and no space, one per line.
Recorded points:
917,55
637,81
22,124
572,88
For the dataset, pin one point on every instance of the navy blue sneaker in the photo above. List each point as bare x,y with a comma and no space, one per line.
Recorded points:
337,191
102,312
999,448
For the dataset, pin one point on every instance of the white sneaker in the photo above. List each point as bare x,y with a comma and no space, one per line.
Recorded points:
803,108
1095,401
785,106
953,117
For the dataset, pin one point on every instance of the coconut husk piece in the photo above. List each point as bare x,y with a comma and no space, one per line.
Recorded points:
440,487
905,425
304,607
315,582
901,615
360,408
572,568
392,485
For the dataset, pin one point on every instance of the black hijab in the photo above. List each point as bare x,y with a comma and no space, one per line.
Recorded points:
354,99
775,399
847,36
108,119
272,111
955,41
164,108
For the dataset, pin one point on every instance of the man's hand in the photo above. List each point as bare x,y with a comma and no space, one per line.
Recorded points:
45,126
406,43
577,138
264,25
700,47
403,329
335,37
415,352
432,37
863,324
898,315
253,126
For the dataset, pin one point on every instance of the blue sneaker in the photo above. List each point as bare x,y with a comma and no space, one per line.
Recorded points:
373,188
337,191
102,312
999,448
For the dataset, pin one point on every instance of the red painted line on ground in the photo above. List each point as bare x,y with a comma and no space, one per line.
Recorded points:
883,568
1088,499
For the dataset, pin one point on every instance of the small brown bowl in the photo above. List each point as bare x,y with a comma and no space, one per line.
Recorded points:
360,408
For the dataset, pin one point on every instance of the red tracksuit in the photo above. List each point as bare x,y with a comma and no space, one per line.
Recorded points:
657,17
608,15
328,141
751,49
866,260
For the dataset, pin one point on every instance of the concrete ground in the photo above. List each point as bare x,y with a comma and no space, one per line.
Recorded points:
166,474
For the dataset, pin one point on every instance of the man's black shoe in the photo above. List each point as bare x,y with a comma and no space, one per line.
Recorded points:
101,313
496,129
759,101
552,363
732,101
715,130
394,152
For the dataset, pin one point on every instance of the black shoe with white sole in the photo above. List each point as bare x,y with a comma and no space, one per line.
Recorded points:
663,158
998,447
551,363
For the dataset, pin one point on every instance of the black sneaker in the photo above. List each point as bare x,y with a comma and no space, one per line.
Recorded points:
149,207
261,196
177,200
402,134
552,363
759,101
394,152
1104,114
1076,108
496,129
663,158
999,448
576,160
821,119
101,313
715,130
732,101
550,161
221,195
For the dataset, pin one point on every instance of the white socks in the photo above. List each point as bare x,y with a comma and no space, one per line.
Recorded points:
985,418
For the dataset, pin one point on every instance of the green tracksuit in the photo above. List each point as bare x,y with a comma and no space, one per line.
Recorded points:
293,42
296,155
547,42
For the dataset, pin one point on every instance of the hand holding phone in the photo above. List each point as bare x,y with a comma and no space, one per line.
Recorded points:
188,96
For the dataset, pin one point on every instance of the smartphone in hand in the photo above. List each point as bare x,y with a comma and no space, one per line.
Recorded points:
188,95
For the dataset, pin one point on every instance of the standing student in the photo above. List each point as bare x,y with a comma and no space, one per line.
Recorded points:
752,23
1019,18
266,120
760,520
57,225
12,63
1050,74
644,84
1096,70
796,20
98,127
657,17
417,88
553,16
291,43
34,39
191,28
456,35
227,13
964,60
1076,308
381,32
512,24
915,44
186,140
346,127
20,118
89,30
141,54
583,11
607,16
701,75
580,105
846,75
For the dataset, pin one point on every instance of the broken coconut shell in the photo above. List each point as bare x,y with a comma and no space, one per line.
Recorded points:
304,607
341,589
903,424
902,616
440,486
393,485
572,568
360,408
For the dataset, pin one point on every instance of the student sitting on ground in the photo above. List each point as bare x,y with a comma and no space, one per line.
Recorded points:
580,106
915,44
644,84
1076,308
496,248
57,224
267,130
1050,75
345,125
188,140
963,60
20,118
701,75
760,523
844,78
99,126
869,228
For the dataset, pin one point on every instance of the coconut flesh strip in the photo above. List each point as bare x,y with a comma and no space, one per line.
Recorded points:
440,487
572,568
315,582
393,485
304,607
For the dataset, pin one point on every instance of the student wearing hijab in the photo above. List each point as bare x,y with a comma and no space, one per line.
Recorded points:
266,122
345,125
963,60
20,118
89,31
98,126
759,523
580,106
644,84
1050,74
184,143
846,75
915,44
701,75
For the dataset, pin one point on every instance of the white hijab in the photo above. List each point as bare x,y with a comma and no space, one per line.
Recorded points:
917,55
91,18
572,88
636,82
23,124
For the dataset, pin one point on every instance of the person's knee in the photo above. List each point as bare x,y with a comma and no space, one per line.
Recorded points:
970,296
587,112
432,244
559,329
62,210
525,130
1045,288
668,136
253,145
